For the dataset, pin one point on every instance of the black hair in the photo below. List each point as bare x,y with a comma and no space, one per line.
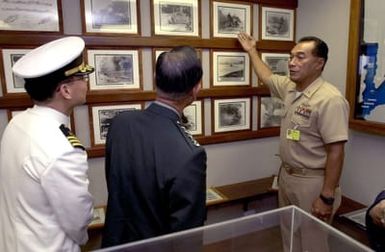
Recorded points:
178,71
44,87
320,47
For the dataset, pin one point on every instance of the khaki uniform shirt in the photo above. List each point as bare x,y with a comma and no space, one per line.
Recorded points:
320,114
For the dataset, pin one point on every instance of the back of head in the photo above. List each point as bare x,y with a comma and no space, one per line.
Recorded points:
320,47
178,71
45,67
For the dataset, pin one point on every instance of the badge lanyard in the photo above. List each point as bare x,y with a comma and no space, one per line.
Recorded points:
293,134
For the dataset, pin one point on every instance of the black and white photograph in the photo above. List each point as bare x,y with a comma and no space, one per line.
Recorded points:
114,69
278,62
277,24
14,84
229,19
193,118
231,69
271,111
111,16
31,16
231,114
176,18
102,117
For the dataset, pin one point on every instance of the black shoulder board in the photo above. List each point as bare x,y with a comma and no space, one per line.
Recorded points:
74,141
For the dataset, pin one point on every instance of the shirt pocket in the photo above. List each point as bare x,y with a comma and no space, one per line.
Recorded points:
301,121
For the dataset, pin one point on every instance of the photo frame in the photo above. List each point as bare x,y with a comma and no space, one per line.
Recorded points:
108,16
213,196
31,16
230,18
114,69
276,23
176,17
270,111
98,217
194,115
102,116
13,83
277,62
231,114
230,69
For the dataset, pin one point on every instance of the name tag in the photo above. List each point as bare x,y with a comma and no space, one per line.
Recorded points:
293,134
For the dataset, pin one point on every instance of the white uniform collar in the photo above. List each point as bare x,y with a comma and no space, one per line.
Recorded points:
56,115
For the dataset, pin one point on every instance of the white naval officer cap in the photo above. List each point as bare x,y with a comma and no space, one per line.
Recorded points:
58,59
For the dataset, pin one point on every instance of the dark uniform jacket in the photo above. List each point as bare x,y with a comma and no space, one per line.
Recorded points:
156,177
375,233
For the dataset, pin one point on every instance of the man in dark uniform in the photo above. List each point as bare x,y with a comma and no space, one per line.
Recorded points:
155,170
375,223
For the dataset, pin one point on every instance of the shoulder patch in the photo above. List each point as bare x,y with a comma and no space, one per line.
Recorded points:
188,134
74,141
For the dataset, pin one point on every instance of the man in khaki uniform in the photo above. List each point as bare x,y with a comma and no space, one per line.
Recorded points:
314,129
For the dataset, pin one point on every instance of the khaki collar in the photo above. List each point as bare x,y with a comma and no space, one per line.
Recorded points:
311,89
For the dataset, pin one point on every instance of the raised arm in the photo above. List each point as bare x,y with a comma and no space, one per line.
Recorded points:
249,45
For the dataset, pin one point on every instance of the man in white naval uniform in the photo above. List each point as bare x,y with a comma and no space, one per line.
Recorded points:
44,200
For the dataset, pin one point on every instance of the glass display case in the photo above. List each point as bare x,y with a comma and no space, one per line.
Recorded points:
267,231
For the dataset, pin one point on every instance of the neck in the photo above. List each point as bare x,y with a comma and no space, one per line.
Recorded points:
302,85
178,105
56,106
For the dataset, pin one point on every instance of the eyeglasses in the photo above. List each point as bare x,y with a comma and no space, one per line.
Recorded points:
84,77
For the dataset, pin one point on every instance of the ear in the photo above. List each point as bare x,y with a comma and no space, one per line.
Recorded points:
321,63
65,91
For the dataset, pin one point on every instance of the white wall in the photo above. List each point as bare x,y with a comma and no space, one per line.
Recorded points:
364,170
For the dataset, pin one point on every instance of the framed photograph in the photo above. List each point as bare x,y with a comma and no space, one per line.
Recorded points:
230,18
194,116
213,196
277,24
278,62
176,17
110,16
230,69
114,69
231,114
102,116
270,112
31,16
13,83
98,218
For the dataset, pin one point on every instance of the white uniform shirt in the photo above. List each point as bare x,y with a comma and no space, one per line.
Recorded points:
44,200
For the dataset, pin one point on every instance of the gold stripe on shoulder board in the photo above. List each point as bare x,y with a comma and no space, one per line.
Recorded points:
74,141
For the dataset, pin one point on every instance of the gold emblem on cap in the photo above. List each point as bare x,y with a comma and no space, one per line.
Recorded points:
82,68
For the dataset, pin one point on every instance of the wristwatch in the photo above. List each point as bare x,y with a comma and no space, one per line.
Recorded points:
327,200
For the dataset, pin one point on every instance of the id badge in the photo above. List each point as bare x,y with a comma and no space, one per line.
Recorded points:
293,134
